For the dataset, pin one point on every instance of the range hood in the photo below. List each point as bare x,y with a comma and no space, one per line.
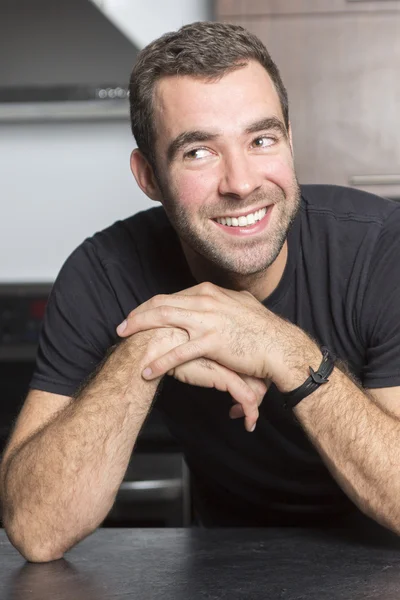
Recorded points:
62,60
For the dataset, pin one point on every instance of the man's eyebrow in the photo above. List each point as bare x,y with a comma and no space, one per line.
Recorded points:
267,124
185,138
190,137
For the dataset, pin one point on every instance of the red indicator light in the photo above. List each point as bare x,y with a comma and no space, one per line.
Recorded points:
37,309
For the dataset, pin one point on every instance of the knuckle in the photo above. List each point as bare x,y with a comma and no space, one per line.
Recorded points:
157,300
131,319
252,400
207,287
165,311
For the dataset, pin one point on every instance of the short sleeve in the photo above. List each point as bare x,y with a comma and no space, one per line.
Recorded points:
380,315
79,324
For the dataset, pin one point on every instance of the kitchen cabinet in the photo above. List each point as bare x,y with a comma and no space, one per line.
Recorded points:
341,66
248,8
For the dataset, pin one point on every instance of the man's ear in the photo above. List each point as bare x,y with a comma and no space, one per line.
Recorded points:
144,175
290,138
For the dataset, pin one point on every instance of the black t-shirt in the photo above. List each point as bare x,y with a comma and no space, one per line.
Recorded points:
340,285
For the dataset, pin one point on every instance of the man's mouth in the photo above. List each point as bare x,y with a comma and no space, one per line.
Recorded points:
242,221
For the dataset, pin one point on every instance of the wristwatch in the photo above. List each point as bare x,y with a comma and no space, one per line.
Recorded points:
317,378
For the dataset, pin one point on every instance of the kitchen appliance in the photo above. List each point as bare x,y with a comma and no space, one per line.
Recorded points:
62,60
155,491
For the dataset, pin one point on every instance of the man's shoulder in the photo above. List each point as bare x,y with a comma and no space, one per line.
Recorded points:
346,203
143,249
144,232
151,221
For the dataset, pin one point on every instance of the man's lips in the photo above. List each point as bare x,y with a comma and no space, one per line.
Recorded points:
246,230
243,213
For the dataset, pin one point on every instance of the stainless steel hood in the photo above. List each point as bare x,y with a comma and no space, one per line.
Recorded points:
62,60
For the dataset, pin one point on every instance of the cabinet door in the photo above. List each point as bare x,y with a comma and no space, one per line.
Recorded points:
248,8
342,73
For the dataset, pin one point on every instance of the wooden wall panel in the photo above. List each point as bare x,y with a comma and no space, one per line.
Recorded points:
343,81
248,8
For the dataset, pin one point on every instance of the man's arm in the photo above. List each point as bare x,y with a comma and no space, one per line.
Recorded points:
59,478
61,482
357,434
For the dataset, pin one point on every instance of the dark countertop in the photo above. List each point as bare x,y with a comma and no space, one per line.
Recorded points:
196,563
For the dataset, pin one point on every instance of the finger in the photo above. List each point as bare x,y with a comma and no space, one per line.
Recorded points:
220,377
181,300
200,297
179,355
208,373
259,386
163,316
236,411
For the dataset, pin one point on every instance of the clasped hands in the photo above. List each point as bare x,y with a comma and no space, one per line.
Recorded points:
227,335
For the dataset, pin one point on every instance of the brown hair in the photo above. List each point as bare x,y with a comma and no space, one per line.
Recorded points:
204,49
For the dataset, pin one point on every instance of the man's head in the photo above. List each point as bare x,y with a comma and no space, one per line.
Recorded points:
210,117
206,50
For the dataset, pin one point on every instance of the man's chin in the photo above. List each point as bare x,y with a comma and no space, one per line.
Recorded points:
238,266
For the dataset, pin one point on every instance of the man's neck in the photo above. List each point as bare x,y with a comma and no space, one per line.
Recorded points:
261,285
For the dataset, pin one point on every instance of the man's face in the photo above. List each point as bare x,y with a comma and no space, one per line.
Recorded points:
222,150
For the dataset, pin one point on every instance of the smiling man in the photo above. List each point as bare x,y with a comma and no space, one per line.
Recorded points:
243,295
224,171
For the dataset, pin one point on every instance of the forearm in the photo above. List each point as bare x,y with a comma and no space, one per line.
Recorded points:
61,483
360,444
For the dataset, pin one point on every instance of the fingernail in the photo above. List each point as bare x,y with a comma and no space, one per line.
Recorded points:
253,428
147,372
121,327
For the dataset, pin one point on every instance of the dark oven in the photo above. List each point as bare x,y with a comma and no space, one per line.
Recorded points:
155,491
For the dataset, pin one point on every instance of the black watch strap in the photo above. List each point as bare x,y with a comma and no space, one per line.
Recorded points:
311,384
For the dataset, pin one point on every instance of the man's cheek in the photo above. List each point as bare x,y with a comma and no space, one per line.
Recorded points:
279,171
193,190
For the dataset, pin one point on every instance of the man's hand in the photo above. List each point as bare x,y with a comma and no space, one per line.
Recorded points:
248,392
231,328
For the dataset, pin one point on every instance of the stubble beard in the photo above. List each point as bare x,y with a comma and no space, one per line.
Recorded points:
254,256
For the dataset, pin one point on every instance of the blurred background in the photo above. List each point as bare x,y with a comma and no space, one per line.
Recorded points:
65,142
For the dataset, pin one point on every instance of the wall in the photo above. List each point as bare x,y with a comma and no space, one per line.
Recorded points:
142,22
59,184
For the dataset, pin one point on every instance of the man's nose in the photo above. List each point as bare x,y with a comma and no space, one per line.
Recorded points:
239,176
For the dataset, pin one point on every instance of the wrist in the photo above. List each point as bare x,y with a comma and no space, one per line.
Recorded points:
295,370
316,379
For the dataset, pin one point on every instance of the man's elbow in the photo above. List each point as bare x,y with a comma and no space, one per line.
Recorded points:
27,543
32,551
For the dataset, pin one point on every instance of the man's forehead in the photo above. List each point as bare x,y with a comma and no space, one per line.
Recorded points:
180,97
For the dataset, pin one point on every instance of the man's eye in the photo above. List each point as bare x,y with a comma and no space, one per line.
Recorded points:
263,141
197,153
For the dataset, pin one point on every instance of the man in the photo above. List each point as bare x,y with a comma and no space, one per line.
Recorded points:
241,282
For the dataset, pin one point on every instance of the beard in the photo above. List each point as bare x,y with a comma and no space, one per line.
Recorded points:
236,256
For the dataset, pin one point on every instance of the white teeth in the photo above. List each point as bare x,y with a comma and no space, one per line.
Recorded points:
243,221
